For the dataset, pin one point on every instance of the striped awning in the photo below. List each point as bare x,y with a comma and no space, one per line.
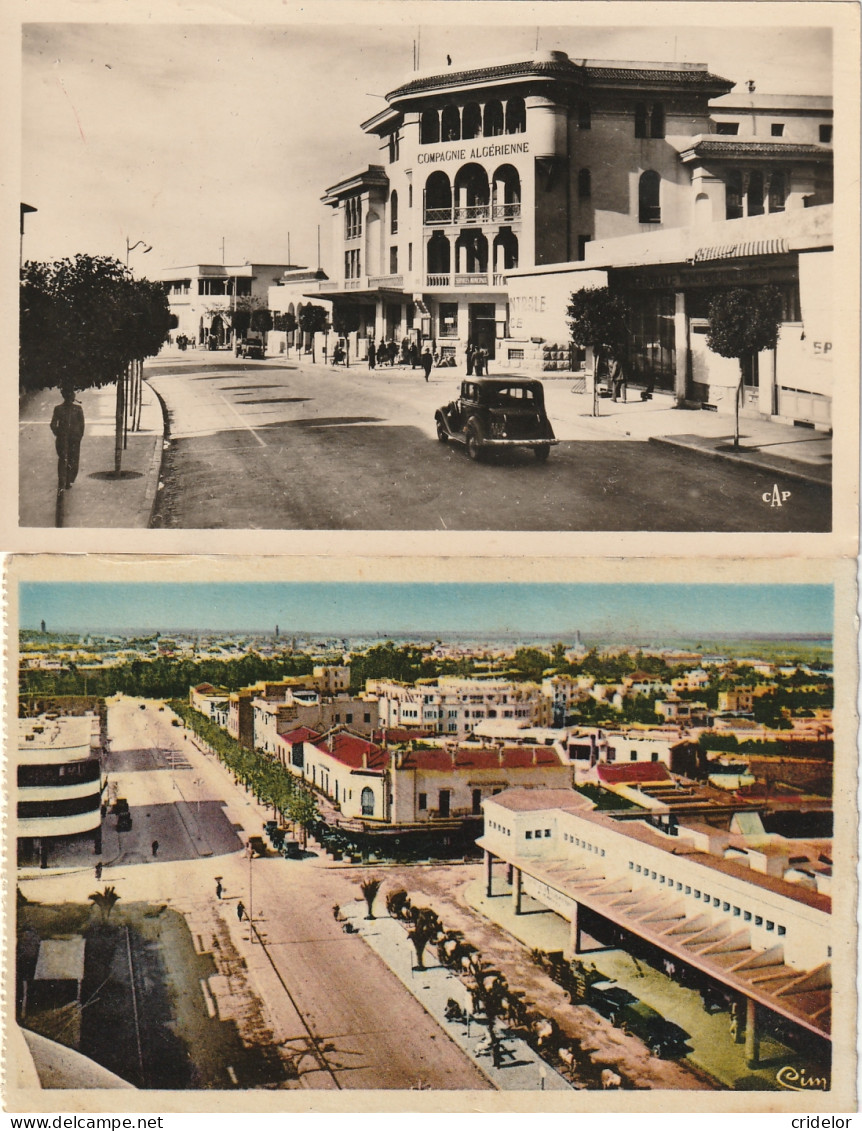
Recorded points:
741,250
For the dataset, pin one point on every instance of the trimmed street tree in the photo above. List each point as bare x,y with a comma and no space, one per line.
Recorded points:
743,323
313,320
83,321
599,321
370,887
302,810
105,900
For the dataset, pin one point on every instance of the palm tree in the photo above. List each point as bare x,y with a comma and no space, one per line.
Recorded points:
426,926
105,901
370,888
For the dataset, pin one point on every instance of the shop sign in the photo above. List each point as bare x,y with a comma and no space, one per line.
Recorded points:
473,152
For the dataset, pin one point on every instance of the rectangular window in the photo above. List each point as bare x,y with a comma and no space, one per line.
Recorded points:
736,911
410,257
758,920
529,834
782,930
688,889
725,906
585,116
393,261
746,915
770,925
448,325
637,868
696,893
423,801
729,129
547,832
825,134
366,718
777,129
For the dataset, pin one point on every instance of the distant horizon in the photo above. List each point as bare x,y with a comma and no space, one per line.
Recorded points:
633,612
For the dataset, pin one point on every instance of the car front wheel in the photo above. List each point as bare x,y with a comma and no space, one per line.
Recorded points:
474,442
442,434
542,452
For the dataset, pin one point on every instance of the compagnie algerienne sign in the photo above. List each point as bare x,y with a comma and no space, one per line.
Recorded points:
472,152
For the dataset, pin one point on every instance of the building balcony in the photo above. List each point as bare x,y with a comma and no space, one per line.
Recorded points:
473,214
386,282
472,279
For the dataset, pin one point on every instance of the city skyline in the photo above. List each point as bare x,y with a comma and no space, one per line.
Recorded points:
182,135
634,611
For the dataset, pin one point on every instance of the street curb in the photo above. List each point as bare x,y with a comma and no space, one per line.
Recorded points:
154,472
794,473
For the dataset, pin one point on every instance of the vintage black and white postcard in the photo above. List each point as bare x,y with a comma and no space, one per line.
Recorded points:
493,268
541,836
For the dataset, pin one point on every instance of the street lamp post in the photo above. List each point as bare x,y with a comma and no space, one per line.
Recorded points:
250,853
131,247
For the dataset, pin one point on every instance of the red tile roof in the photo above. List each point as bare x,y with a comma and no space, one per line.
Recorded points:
353,751
301,734
481,758
398,734
633,773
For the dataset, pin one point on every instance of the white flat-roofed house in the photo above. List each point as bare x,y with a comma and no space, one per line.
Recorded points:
59,780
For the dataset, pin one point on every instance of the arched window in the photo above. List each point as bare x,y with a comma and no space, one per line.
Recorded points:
507,193
493,118
505,251
585,184
649,198
777,191
472,193
367,800
472,252
516,116
471,124
438,199
451,124
640,119
393,213
429,129
439,255
656,120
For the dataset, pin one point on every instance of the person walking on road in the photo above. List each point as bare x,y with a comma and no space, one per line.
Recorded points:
372,354
219,889
240,910
468,354
427,361
155,848
99,870
67,424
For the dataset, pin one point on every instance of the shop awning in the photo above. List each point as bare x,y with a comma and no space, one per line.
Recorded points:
741,250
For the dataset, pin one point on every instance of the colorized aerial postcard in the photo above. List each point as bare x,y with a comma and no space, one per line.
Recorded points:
534,841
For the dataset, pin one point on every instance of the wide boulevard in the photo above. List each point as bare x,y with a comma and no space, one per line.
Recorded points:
285,445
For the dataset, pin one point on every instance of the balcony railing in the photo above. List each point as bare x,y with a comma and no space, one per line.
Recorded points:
438,280
390,282
438,215
473,212
353,284
507,211
499,280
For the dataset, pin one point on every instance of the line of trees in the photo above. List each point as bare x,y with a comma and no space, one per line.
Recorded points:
267,779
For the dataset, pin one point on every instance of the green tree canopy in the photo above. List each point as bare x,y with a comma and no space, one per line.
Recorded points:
83,320
744,322
313,319
599,319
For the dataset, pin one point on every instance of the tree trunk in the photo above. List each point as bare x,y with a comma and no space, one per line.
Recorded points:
119,421
738,400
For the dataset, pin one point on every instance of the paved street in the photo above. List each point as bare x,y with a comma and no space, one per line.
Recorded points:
315,1008
276,445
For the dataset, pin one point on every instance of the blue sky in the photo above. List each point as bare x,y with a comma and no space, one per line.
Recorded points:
642,612
182,133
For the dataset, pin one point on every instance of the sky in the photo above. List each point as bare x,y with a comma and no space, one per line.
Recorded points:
186,134
644,613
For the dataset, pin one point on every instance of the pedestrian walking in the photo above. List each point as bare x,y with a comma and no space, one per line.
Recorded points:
427,361
617,379
219,889
372,354
155,848
67,424
99,870
468,355
382,355
240,910
480,363
393,352
414,355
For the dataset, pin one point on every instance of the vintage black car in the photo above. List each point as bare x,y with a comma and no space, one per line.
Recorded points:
497,412
250,347
662,1037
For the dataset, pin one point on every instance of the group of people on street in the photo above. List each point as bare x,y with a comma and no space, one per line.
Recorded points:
409,353
390,353
477,361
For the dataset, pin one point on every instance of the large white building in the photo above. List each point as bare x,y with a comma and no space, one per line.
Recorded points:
59,782
454,706
502,188
750,910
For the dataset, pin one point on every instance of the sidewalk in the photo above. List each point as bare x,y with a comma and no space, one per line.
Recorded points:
97,498
796,453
